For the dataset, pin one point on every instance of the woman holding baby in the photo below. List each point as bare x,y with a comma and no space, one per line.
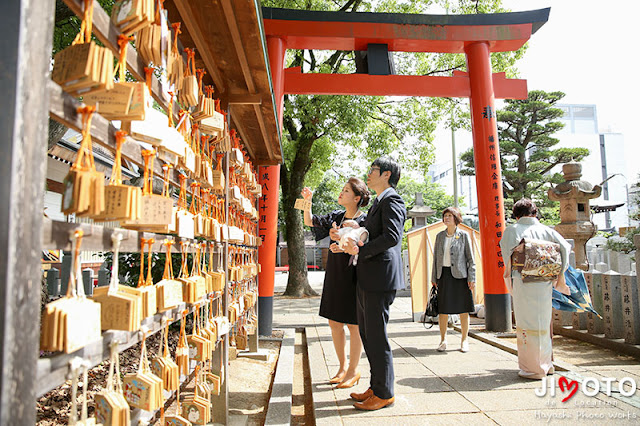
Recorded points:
338,302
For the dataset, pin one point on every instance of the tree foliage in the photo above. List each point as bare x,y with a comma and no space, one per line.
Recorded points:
433,195
346,133
528,153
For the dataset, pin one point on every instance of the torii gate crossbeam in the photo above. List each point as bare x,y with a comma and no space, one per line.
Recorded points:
474,35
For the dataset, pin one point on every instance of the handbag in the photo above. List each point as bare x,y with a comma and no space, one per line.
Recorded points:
537,260
432,306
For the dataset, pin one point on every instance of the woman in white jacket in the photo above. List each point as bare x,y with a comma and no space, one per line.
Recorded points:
454,274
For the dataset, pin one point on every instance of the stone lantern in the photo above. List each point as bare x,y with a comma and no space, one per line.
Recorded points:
419,213
575,215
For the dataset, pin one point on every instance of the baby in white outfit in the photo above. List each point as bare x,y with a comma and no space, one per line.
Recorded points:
351,231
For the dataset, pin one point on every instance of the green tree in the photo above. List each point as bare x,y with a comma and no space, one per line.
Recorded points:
321,132
528,156
433,195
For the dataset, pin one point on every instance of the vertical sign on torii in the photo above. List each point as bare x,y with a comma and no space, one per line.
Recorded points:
474,35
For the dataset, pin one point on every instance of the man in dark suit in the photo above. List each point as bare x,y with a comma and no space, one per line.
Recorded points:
379,272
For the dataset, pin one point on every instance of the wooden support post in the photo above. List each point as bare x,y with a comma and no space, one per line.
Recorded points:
25,42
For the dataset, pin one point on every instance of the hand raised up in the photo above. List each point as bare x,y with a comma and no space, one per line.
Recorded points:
307,193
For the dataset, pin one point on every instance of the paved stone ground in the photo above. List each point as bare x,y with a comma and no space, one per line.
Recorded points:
478,387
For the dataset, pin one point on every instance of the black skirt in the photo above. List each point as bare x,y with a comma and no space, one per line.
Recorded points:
454,295
338,301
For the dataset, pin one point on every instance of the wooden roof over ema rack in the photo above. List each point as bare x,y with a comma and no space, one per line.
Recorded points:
230,45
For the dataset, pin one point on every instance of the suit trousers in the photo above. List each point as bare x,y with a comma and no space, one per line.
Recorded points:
373,316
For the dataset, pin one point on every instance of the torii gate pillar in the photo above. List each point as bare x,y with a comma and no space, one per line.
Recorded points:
486,153
269,178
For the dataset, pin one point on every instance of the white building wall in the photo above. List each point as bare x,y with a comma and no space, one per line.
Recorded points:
441,171
606,158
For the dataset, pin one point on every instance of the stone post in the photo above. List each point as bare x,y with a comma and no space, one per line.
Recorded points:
87,281
612,305
53,282
103,277
624,263
65,274
579,320
613,261
630,309
575,221
595,325
562,318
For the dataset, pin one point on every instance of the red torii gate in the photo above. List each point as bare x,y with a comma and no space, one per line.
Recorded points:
474,35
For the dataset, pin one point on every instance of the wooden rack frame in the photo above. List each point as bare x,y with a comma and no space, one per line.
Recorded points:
31,97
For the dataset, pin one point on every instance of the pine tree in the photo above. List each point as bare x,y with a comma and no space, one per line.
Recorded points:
528,153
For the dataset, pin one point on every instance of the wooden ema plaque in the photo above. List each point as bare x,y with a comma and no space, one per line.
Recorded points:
112,104
155,214
72,322
197,277
83,192
132,15
169,294
168,290
196,406
143,389
155,210
182,350
164,367
199,343
83,67
121,310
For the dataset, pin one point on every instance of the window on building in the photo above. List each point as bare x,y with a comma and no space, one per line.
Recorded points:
584,112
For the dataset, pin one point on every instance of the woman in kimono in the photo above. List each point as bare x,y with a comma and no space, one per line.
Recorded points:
338,303
531,300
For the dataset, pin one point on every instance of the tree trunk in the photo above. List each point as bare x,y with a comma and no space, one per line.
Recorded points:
298,283
292,182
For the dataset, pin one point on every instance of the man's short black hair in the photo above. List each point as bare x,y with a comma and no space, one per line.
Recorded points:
386,164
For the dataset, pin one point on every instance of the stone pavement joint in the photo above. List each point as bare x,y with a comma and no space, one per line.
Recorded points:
478,387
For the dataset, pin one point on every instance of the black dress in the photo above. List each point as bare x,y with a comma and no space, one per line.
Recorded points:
339,291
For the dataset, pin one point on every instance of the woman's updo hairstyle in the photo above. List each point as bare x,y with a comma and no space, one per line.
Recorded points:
524,207
360,189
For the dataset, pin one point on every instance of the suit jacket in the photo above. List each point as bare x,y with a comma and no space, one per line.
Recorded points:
462,263
380,261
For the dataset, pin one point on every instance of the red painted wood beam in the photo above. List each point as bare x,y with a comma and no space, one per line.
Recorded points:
324,35
457,86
